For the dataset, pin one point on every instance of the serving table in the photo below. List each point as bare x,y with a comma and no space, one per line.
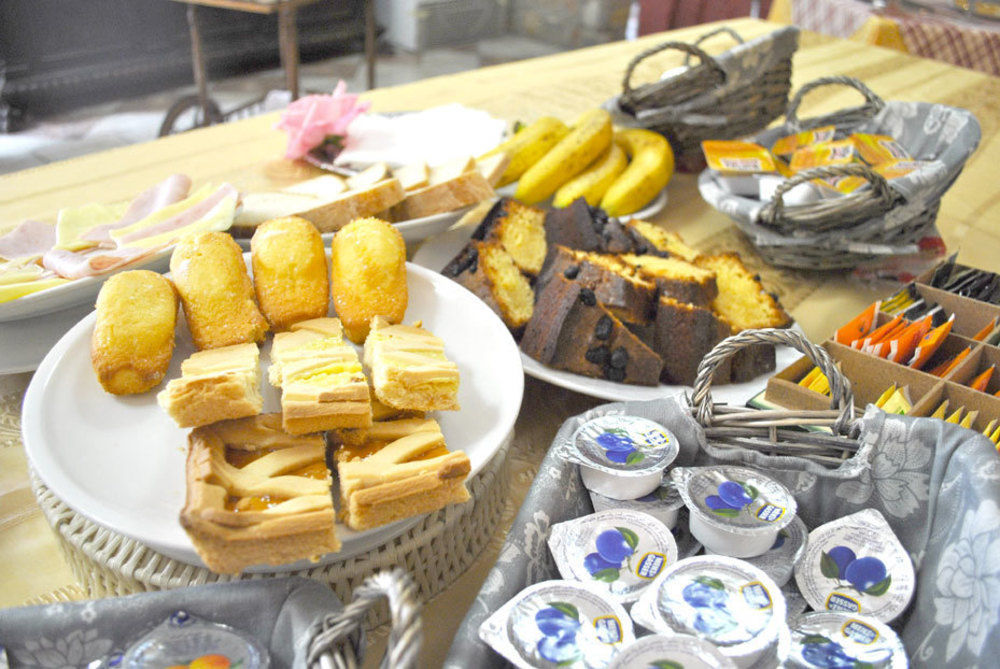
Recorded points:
247,153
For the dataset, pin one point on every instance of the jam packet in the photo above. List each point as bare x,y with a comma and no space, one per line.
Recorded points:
739,164
785,146
183,639
827,639
676,650
842,152
878,149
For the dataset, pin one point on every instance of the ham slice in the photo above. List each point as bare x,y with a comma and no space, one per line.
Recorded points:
78,264
182,219
31,239
172,189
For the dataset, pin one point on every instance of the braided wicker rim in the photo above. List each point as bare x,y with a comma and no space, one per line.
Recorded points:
724,30
873,105
695,80
840,417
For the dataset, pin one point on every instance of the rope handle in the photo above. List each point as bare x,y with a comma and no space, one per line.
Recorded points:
689,49
724,30
841,395
873,103
880,187
338,640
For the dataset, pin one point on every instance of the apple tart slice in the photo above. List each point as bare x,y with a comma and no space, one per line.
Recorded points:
396,469
257,495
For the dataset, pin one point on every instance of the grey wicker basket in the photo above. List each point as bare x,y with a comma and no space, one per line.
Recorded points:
882,220
730,95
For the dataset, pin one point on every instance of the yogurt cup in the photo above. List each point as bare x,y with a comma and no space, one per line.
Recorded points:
780,559
622,457
558,623
855,564
735,511
678,650
664,503
183,637
687,545
828,639
618,550
727,602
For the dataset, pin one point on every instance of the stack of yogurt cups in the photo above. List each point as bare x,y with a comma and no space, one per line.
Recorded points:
630,569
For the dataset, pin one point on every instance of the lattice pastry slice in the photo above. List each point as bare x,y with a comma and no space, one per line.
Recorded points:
395,470
323,386
257,495
408,368
215,384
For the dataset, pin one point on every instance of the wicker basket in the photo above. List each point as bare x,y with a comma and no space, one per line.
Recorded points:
731,95
872,223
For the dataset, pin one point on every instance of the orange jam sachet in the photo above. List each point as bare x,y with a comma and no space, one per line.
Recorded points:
859,326
733,157
981,381
878,149
842,152
787,145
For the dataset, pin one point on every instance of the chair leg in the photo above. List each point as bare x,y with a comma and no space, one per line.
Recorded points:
370,41
288,47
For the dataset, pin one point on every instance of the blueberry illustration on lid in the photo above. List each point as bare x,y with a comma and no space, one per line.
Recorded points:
827,639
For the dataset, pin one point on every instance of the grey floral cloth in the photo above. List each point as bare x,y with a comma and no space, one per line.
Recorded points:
944,137
279,613
937,484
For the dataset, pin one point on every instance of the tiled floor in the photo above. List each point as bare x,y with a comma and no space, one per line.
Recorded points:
122,122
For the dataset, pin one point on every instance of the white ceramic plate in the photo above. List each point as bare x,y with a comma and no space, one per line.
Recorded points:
435,253
27,340
119,461
75,292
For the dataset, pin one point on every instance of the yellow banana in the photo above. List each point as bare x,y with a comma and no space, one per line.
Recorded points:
650,169
592,183
528,145
588,139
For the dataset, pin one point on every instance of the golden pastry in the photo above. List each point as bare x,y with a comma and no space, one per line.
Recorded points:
408,368
289,271
217,384
368,275
133,338
216,292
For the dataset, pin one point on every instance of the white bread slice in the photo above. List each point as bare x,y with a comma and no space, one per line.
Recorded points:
492,167
413,176
326,187
369,176
463,190
451,169
337,213
260,207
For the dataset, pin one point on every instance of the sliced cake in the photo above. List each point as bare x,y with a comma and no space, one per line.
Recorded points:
396,469
520,229
617,286
684,333
662,242
257,495
487,270
572,331
215,384
409,369
580,226
321,380
676,278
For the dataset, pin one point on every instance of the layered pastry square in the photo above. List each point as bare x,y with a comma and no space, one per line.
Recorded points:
322,384
257,495
396,469
408,368
215,384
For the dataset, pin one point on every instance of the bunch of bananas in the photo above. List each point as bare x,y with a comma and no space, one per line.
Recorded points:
619,170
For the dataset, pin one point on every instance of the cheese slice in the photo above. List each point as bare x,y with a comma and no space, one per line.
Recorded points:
73,222
12,291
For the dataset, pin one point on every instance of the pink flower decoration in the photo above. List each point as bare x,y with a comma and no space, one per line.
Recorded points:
310,120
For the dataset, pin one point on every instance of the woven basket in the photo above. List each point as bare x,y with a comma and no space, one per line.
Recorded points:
435,552
872,223
731,95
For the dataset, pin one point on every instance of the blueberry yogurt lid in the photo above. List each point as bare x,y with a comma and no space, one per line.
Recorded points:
735,511
677,650
828,639
618,550
558,624
622,457
727,602
855,564
664,503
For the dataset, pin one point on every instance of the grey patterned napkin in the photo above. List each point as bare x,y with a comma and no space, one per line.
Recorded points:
937,484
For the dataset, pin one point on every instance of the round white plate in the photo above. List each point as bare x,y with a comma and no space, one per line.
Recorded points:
76,292
435,253
27,340
119,461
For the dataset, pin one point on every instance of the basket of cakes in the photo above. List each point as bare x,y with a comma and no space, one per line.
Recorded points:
852,188
733,94
678,532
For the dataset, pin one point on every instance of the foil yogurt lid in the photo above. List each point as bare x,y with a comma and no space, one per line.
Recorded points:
780,560
558,624
619,550
739,500
668,652
623,445
855,564
828,639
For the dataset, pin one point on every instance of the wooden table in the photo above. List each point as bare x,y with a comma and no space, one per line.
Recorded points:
247,153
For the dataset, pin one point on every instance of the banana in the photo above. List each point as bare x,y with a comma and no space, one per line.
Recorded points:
588,139
592,183
528,145
650,169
